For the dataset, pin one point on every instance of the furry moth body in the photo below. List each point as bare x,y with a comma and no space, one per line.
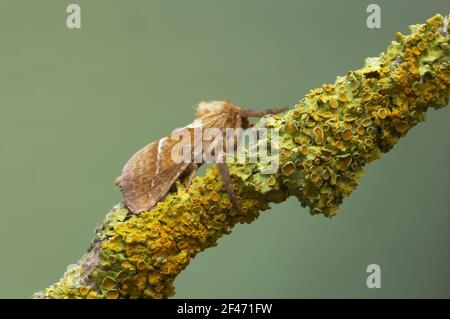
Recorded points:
150,173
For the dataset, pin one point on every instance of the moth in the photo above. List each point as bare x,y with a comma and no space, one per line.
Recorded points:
150,173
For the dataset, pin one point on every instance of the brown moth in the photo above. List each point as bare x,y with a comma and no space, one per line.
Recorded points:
150,173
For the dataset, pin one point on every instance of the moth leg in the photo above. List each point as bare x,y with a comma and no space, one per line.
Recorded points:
265,112
190,174
225,174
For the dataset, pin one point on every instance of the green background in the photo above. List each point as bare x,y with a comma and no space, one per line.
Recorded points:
76,104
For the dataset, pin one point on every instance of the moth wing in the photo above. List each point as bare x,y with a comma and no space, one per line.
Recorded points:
213,121
149,174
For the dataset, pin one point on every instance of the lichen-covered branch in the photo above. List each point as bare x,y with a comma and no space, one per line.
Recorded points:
324,144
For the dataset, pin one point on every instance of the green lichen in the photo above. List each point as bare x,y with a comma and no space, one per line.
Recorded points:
325,142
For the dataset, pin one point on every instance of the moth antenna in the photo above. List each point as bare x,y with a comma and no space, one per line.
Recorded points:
250,113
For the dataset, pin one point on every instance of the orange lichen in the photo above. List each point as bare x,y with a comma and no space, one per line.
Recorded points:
334,103
402,126
360,130
318,135
288,168
108,283
347,134
112,294
304,149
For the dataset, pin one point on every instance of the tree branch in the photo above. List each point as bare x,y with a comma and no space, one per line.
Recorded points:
324,144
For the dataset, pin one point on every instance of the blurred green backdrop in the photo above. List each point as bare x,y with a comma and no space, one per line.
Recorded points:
76,104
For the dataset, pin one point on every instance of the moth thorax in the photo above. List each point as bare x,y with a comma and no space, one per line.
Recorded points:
215,107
